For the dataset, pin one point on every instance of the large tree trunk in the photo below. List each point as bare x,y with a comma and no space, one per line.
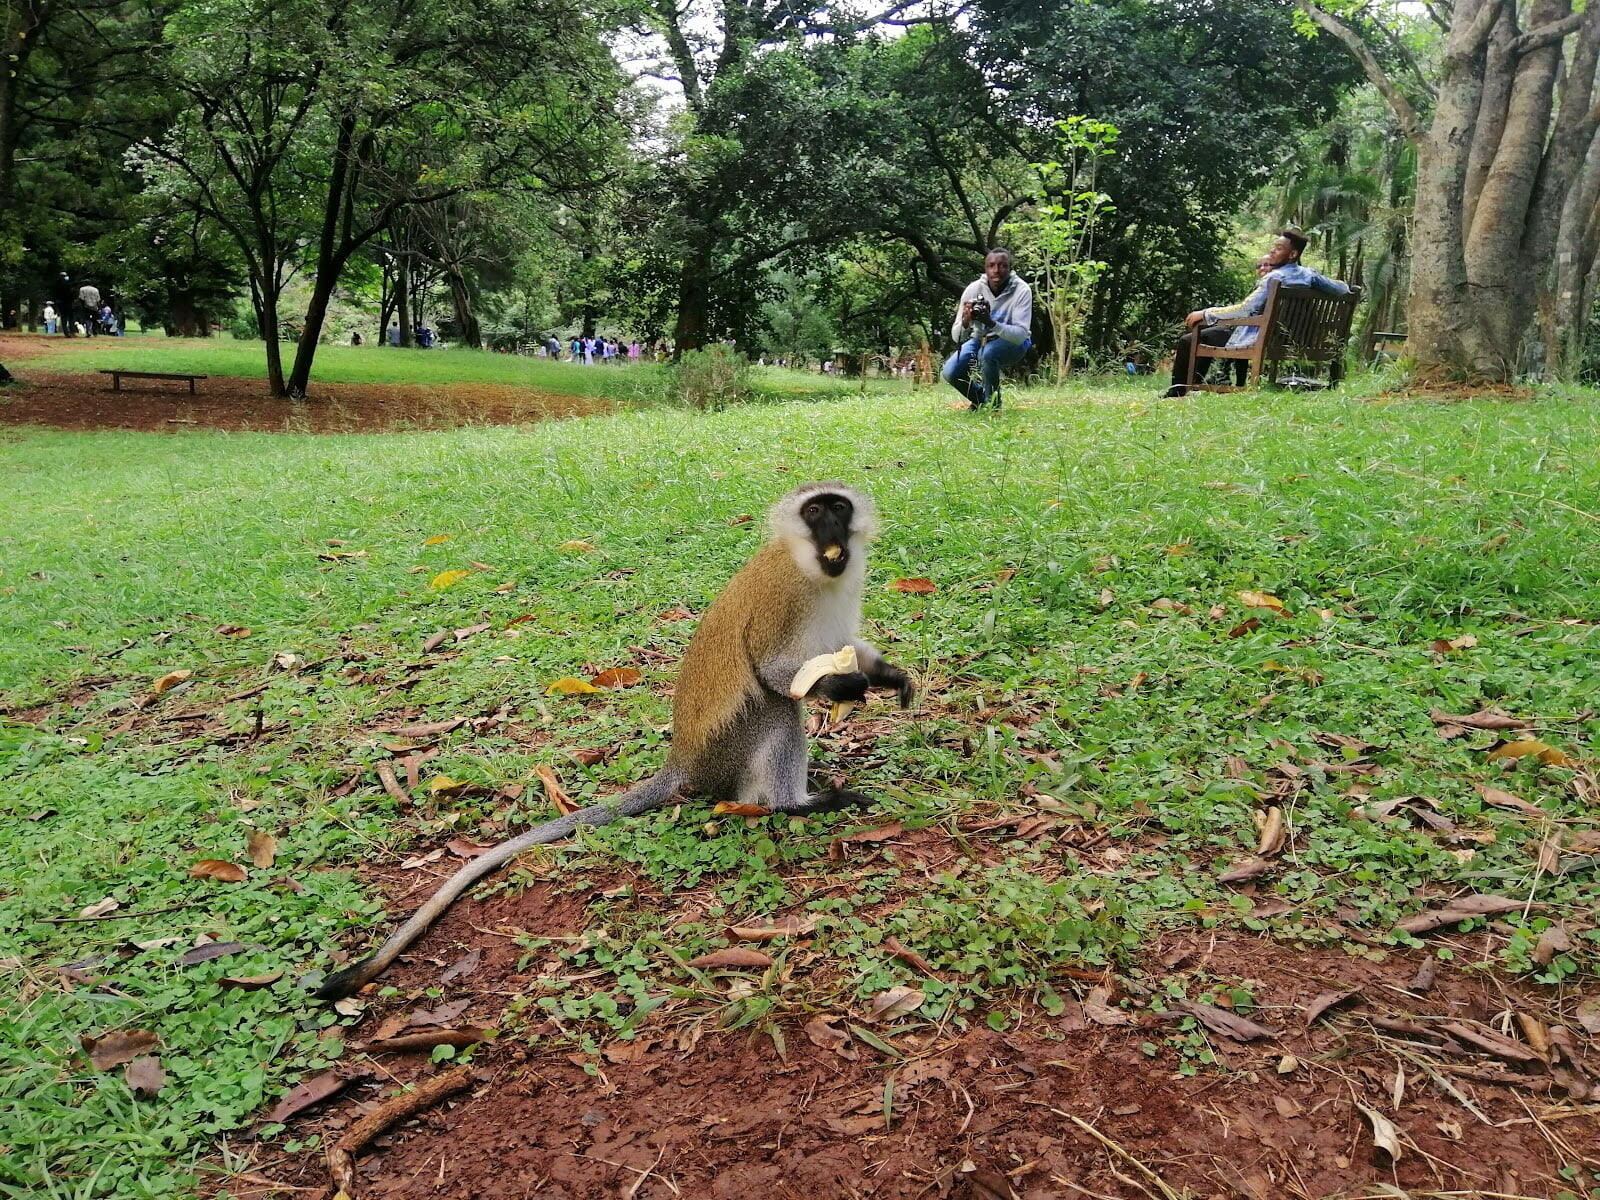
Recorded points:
467,329
694,300
267,315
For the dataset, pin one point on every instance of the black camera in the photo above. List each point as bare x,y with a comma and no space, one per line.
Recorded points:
980,312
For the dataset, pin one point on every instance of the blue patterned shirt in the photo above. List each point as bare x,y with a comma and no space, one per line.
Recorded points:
1289,275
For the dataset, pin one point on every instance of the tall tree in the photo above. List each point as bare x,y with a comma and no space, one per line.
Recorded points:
1504,116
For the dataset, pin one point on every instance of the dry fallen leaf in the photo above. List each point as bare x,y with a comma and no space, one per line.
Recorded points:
1552,941
429,729
733,956
1325,1001
462,967
1384,1133
1260,600
441,1014
232,631
881,834
443,785
207,951
1486,718
917,587
216,868
895,1002
144,1075
1446,645
1458,910
447,579
1504,799
1098,1008
576,547
554,792
437,540
462,848
1229,1024
251,983
1523,747
170,680
567,685
794,926
119,1046
732,808
1248,625
100,907
313,1091
1249,868
262,848
820,1033
1272,833
617,677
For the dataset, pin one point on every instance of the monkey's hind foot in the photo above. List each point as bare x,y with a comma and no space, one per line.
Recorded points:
830,801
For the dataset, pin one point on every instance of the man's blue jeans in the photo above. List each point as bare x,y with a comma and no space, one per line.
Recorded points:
993,358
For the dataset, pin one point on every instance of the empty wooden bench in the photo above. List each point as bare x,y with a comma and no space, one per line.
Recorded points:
1299,324
118,376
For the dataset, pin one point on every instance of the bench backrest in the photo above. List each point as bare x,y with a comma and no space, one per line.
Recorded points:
1307,324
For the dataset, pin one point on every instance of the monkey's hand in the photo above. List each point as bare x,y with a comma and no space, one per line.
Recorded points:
890,677
842,689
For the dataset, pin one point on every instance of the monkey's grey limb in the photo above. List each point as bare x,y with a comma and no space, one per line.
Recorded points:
652,793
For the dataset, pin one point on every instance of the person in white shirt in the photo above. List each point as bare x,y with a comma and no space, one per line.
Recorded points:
992,329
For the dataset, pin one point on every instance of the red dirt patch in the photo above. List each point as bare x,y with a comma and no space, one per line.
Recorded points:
84,400
686,1111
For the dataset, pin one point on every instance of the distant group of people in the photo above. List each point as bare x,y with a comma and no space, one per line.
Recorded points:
83,312
591,350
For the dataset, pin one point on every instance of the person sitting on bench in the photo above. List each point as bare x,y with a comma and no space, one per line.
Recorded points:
1284,268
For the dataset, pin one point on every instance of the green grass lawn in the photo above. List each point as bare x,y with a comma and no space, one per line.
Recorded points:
1088,656
641,383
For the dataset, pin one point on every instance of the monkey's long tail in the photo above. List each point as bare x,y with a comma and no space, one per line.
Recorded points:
642,797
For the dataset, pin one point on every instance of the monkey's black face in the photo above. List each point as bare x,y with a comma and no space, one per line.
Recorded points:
828,517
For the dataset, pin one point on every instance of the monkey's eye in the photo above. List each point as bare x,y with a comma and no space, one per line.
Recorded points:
813,510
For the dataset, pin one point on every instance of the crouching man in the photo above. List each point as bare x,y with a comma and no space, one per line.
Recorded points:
991,330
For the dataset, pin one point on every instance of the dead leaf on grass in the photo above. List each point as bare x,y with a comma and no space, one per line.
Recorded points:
165,683
443,785
462,967
576,546
553,791
922,1070
216,868
795,926
1524,747
209,950
1458,910
251,983
313,1091
1250,868
617,677
819,1033
569,685
1385,1134
262,848
435,640
732,808
1554,940
1272,833
1261,600
429,729
676,613
100,907
1588,1014
1325,1001
1229,1024
895,1002
464,633
732,957
443,1014
881,834
232,631
1503,799
422,860
1445,645
917,587
117,1047
1249,625
447,579
462,848
1484,718
1098,1008
910,957
144,1075
1491,1042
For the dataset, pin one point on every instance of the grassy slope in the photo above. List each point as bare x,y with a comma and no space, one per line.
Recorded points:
1405,523
382,364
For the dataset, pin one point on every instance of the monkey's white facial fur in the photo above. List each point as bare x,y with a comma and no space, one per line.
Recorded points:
826,527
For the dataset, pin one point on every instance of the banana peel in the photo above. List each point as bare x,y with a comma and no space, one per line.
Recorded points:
841,662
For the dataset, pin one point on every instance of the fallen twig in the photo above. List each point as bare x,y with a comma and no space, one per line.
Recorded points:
391,784
426,1041
149,912
342,1154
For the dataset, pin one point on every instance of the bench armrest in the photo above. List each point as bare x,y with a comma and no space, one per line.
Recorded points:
1233,322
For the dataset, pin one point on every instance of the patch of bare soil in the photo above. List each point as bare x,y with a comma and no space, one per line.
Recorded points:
1065,1107
84,400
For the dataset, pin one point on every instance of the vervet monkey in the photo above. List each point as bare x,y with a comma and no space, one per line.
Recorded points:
737,734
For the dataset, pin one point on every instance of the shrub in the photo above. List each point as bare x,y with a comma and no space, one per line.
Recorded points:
712,378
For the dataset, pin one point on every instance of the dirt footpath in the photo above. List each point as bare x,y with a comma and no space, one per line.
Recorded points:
84,400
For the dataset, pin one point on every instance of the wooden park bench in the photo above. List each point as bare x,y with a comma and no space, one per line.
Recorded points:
1301,325
118,376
